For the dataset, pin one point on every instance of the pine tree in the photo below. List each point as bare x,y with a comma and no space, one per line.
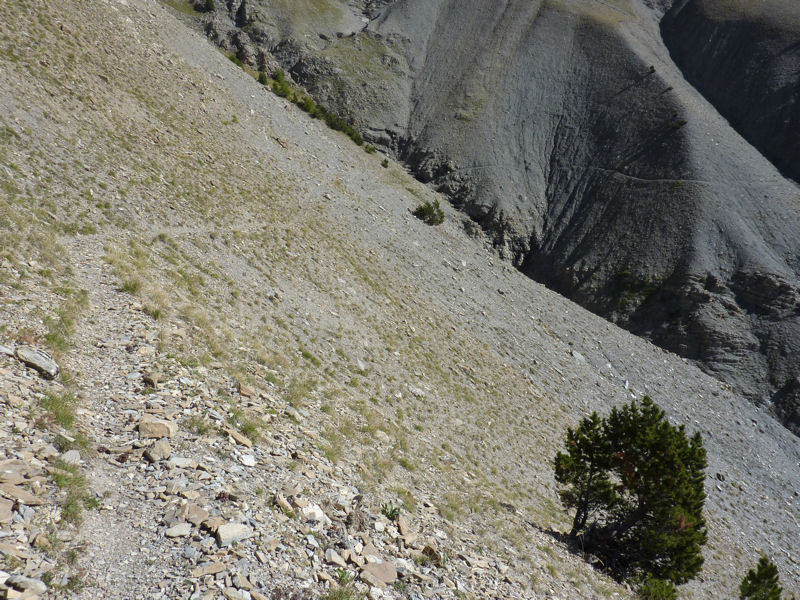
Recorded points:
636,484
761,583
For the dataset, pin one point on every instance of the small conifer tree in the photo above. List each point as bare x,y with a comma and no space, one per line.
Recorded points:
761,583
636,484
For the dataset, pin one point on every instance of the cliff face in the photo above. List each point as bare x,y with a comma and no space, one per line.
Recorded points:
745,61
566,130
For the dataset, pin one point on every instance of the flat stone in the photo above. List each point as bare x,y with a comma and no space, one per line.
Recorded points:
5,510
160,450
247,391
150,427
17,493
181,462
39,360
26,584
229,533
179,530
371,580
240,438
313,512
248,460
333,558
208,569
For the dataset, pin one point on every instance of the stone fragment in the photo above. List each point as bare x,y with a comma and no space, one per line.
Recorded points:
179,530
17,493
248,460
181,462
333,558
370,579
313,512
240,438
159,451
246,390
26,584
283,504
404,526
208,569
71,457
5,510
150,427
229,533
152,378
193,513
231,593
39,360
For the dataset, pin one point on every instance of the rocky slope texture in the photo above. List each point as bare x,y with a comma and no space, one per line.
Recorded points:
566,130
261,351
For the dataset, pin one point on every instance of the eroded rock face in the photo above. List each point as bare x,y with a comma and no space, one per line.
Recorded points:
745,60
572,138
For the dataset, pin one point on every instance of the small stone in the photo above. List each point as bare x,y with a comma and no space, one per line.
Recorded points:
248,460
5,510
333,558
192,513
313,512
160,450
181,462
39,360
152,378
246,390
208,569
229,533
371,580
150,427
26,584
71,457
24,496
404,526
179,530
240,438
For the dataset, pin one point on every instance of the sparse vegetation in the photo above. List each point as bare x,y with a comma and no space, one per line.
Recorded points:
430,212
761,582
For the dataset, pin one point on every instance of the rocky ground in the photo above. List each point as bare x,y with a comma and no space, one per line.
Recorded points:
262,354
622,153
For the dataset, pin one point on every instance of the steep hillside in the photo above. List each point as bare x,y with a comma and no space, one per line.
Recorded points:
567,132
262,351
744,58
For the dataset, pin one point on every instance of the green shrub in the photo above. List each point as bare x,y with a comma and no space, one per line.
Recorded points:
204,6
279,84
761,583
430,212
262,78
640,481
235,60
370,149
657,589
385,163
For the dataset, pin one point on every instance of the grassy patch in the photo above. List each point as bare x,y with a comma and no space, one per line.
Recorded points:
60,408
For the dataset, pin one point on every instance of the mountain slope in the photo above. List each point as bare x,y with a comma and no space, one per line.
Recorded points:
567,131
271,271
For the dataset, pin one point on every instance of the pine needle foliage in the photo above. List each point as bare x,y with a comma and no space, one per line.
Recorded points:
761,583
636,484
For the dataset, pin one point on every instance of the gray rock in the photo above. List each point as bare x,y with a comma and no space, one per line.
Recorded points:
179,530
160,450
26,584
229,533
71,457
39,360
